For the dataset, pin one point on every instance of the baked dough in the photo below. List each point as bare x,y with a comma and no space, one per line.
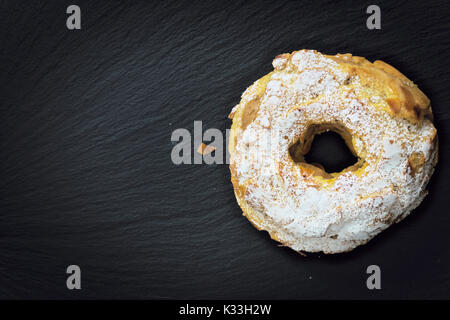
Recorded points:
386,122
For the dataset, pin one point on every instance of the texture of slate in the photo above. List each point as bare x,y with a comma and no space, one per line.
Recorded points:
86,176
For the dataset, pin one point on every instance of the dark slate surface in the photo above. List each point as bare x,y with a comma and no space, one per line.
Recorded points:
86,176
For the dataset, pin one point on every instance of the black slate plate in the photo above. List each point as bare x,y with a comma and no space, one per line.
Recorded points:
86,174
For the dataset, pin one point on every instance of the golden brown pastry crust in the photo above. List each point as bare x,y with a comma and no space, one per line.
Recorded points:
403,96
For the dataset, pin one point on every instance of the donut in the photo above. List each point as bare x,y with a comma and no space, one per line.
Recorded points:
383,117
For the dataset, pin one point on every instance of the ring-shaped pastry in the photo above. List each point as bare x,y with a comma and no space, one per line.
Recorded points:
385,120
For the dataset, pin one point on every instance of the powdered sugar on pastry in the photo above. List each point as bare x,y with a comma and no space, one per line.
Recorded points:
302,206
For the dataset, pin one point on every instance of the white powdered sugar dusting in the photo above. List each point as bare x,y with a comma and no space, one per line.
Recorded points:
315,214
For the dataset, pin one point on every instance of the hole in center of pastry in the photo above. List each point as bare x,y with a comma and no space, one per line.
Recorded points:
325,150
330,151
